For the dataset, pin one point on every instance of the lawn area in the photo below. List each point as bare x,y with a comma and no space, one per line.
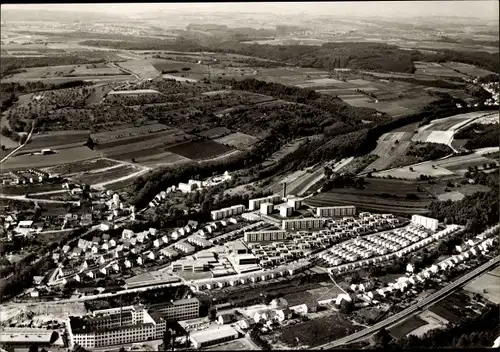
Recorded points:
315,332
407,326
63,156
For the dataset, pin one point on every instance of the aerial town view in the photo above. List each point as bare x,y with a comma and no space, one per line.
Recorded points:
249,176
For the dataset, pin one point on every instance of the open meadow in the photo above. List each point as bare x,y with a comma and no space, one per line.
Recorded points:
455,165
467,70
57,140
390,146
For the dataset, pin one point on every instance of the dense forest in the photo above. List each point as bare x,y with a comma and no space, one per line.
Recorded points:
480,135
354,55
477,211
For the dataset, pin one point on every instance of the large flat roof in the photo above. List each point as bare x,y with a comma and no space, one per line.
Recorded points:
214,334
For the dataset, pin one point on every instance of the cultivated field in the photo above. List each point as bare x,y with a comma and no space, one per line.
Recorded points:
214,133
487,285
96,70
198,150
63,156
407,326
284,151
59,140
30,188
381,195
435,69
161,159
468,70
108,136
238,140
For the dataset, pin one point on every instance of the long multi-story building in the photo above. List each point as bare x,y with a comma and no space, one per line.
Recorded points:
265,235
226,212
304,223
254,204
429,223
115,326
348,210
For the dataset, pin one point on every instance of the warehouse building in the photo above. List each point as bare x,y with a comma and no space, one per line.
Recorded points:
254,204
428,223
265,235
304,223
338,211
209,337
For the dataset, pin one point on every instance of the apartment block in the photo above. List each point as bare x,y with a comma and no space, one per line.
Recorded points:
301,224
338,211
182,309
428,223
265,235
227,212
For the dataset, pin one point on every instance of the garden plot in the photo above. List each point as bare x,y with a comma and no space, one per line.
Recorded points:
216,132
238,140
404,328
432,321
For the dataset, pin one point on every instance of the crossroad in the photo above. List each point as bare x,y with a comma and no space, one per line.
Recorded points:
410,310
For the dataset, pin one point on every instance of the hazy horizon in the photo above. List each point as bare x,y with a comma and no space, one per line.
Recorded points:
383,9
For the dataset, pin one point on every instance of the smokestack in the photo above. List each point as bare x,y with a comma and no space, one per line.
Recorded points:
283,192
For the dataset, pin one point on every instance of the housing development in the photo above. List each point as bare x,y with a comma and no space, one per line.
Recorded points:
230,181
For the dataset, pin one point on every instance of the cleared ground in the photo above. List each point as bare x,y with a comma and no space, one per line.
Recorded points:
100,177
390,146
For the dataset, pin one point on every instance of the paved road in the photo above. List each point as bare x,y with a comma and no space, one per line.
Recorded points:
410,310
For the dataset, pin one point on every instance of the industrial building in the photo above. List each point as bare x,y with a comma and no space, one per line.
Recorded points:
265,235
254,204
305,223
227,212
116,326
428,223
338,211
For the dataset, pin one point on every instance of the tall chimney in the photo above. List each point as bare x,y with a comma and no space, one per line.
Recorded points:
283,192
